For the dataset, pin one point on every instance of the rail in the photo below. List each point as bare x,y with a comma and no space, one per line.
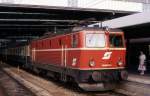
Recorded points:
45,86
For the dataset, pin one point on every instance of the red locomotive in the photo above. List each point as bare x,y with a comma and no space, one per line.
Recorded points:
94,58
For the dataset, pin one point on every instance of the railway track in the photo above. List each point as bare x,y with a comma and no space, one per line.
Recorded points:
49,87
11,87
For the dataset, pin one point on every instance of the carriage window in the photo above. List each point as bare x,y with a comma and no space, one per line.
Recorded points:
116,40
95,40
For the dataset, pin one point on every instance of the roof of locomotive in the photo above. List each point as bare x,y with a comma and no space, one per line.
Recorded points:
77,29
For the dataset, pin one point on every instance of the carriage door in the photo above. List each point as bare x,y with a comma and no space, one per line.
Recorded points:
63,59
63,53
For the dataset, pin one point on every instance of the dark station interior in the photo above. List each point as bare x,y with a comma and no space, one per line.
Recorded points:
137,38
22,23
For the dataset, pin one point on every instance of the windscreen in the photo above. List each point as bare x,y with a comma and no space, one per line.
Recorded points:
116,40
95,40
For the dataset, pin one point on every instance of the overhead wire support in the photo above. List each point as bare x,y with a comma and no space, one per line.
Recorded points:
38,20
25,13
34,25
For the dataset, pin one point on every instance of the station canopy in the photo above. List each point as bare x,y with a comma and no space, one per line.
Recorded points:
29,21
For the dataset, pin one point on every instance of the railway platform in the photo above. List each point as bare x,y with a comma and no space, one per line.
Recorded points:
144,79
11,87
2,91
137,85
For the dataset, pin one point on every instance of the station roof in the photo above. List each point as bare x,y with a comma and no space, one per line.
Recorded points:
134,25
25,21
128,21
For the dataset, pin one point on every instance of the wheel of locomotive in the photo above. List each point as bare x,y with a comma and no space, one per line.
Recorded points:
42,72
57,76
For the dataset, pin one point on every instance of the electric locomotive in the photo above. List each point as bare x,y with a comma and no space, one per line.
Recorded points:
94,58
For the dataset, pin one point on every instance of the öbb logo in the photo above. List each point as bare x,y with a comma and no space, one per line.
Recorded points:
107,55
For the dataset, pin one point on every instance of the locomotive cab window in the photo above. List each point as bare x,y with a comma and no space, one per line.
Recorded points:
116,40
95,40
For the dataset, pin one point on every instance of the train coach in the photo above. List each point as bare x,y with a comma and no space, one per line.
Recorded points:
94,58
17,52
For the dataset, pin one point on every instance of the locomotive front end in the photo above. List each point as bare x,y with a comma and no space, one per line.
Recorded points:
103,64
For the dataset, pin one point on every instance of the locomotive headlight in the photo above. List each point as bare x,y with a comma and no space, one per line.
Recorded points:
120,63
74,61
92,63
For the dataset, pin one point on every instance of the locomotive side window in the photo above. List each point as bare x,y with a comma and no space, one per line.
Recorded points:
36,45
42,44
116,40
60,42
49,43
95,40
74,41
